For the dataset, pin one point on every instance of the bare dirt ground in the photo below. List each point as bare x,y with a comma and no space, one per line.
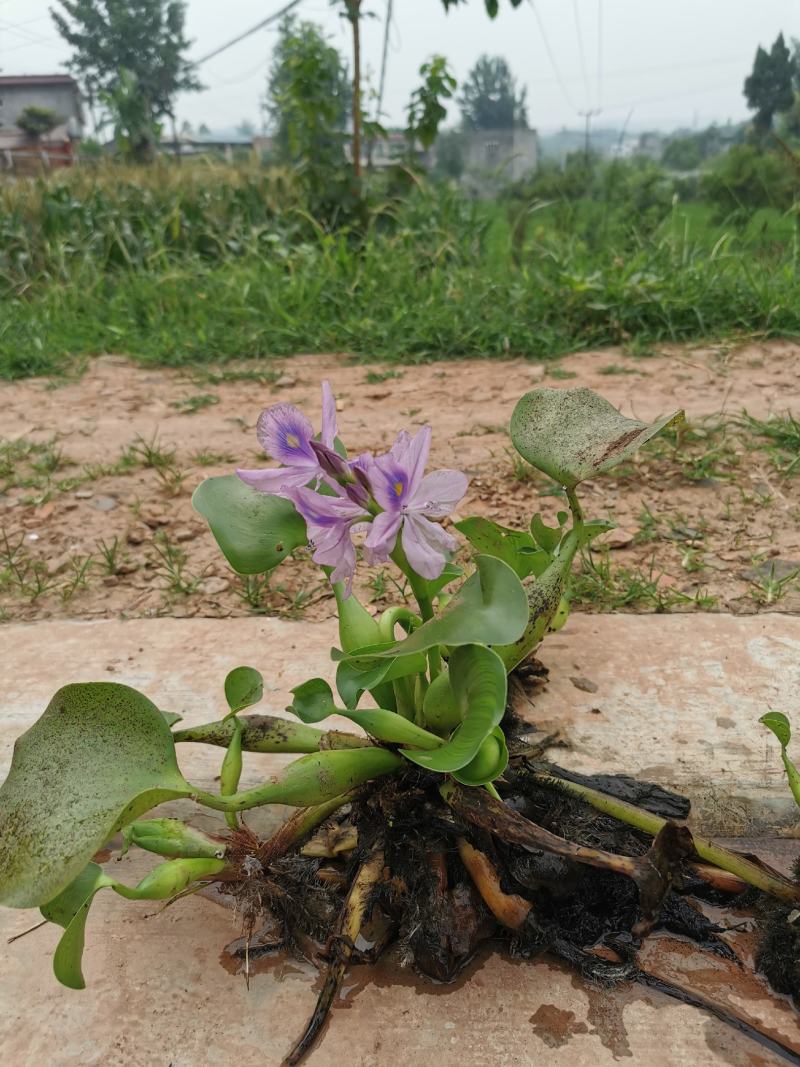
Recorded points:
97,472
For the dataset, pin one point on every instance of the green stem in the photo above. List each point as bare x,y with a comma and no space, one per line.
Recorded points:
419,587
707,849
575,508
268,733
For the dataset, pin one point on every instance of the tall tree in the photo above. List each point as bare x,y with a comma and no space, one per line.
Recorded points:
144,37
308,96
490,99
492,6
768,88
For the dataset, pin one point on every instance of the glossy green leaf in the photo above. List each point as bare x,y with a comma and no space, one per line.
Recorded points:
244,687
489,762
513,547
478,680
491,607
439,708
98,758
779,724
450,572
574,434
255,531
367,668
313,701
170,878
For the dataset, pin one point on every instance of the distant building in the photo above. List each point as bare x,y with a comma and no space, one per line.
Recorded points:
493,158
58,93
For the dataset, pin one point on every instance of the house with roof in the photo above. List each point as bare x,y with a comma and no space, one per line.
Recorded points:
57,94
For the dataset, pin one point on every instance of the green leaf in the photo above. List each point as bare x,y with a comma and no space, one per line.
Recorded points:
777,722
491,607
450,572
368,667
171,717
489,763
313,701
98,758
478,680
546,537
70,910
513,547
573,434
255,531
244,687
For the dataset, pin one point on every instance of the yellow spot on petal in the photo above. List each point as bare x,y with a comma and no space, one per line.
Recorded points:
398,488
292,440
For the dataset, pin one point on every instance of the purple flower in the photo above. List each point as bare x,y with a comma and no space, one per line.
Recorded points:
410,500
329,520
286,435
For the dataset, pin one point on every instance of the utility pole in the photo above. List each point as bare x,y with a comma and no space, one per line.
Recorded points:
588,115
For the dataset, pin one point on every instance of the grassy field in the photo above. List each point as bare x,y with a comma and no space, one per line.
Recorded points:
186,265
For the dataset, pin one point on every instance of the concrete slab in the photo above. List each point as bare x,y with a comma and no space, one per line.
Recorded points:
157,993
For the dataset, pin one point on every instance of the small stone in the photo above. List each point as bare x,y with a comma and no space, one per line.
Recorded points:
186,533
103,503
586,685
58,563
618,538
45,511
129,567
286,381
137,535
84,494
378,394
212,586
340,405
538,372
154,519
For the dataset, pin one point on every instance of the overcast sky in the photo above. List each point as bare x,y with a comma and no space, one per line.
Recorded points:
669,62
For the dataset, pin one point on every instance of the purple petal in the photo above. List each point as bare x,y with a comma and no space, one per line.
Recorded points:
324,512
276,479
382,536
425,545
285,434
438,493
328,434
395,476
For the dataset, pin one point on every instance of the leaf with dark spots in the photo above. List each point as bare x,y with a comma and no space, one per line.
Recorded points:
574,434
99,757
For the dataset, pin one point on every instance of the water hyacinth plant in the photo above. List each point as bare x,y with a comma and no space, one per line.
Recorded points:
436,825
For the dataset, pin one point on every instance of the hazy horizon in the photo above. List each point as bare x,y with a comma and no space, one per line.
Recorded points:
659,66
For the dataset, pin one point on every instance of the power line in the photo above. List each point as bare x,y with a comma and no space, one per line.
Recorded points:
384,56
253,29
551,56
599,53
581,54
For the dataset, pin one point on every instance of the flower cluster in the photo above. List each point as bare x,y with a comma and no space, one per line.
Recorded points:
386,497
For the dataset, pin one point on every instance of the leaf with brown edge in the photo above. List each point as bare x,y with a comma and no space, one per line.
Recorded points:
574,434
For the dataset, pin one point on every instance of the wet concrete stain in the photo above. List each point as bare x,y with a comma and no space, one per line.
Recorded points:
554,1026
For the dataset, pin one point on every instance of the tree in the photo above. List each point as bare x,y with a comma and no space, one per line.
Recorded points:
136,133
308,96
37,120
144,37
683,153
489,99
426,110
768,88
492,6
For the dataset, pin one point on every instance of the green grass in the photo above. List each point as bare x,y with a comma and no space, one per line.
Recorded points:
218,264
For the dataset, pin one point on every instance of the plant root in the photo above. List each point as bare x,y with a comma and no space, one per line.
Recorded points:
340,949
442,868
